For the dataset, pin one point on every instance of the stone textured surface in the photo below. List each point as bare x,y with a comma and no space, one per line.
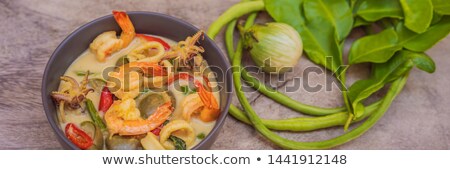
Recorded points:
31,29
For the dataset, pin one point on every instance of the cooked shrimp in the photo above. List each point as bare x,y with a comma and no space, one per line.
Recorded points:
123,118
107,43
129,78
203,101
191,104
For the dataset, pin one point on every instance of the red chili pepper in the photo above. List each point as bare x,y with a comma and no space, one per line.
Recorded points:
106,100
150,38
157,130
78,137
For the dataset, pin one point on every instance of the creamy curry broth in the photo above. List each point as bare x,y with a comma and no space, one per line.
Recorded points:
87,61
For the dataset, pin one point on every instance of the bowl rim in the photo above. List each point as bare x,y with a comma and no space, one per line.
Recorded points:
228,81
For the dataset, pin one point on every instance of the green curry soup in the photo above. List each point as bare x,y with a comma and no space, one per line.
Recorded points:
138,91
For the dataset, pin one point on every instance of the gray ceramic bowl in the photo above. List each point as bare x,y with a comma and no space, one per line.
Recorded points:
144,22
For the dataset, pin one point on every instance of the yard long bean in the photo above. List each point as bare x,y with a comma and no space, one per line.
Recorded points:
395,89
254,82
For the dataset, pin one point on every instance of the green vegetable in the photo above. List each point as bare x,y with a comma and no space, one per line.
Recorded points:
201,136
374,10
330,14
94,114
436,18
441,6
385,73
323,34
376,48
422,42
270,92
94,132
83,73
324,26
165,122
97,84
360,22
178,143
233,13
229,32
301,124
122,61
275,47
418,14
352,3
186,90
422,61
288,144
319,40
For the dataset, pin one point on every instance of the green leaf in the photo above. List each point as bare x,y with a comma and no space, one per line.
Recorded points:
441,6
352,3
201,136
360,22
330,13
178,143
421,60
374,10
382,74
318,44
279,11
425,63
186,90
377,48
436,18
361,90
422,42
327,25
166,122
418,14
83,73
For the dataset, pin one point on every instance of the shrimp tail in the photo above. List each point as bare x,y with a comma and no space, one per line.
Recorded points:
211,109
128,31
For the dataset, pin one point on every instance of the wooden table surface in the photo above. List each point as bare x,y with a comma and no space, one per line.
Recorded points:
31,29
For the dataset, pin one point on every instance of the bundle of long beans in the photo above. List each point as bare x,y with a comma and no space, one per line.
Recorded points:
322,117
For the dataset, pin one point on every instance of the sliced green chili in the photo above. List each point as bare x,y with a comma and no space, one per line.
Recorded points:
94,114
232,13
301,124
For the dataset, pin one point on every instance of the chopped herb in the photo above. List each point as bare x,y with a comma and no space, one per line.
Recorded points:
145,90
186,90
97,84
178,143
201,136
165,122
83,73
122,61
